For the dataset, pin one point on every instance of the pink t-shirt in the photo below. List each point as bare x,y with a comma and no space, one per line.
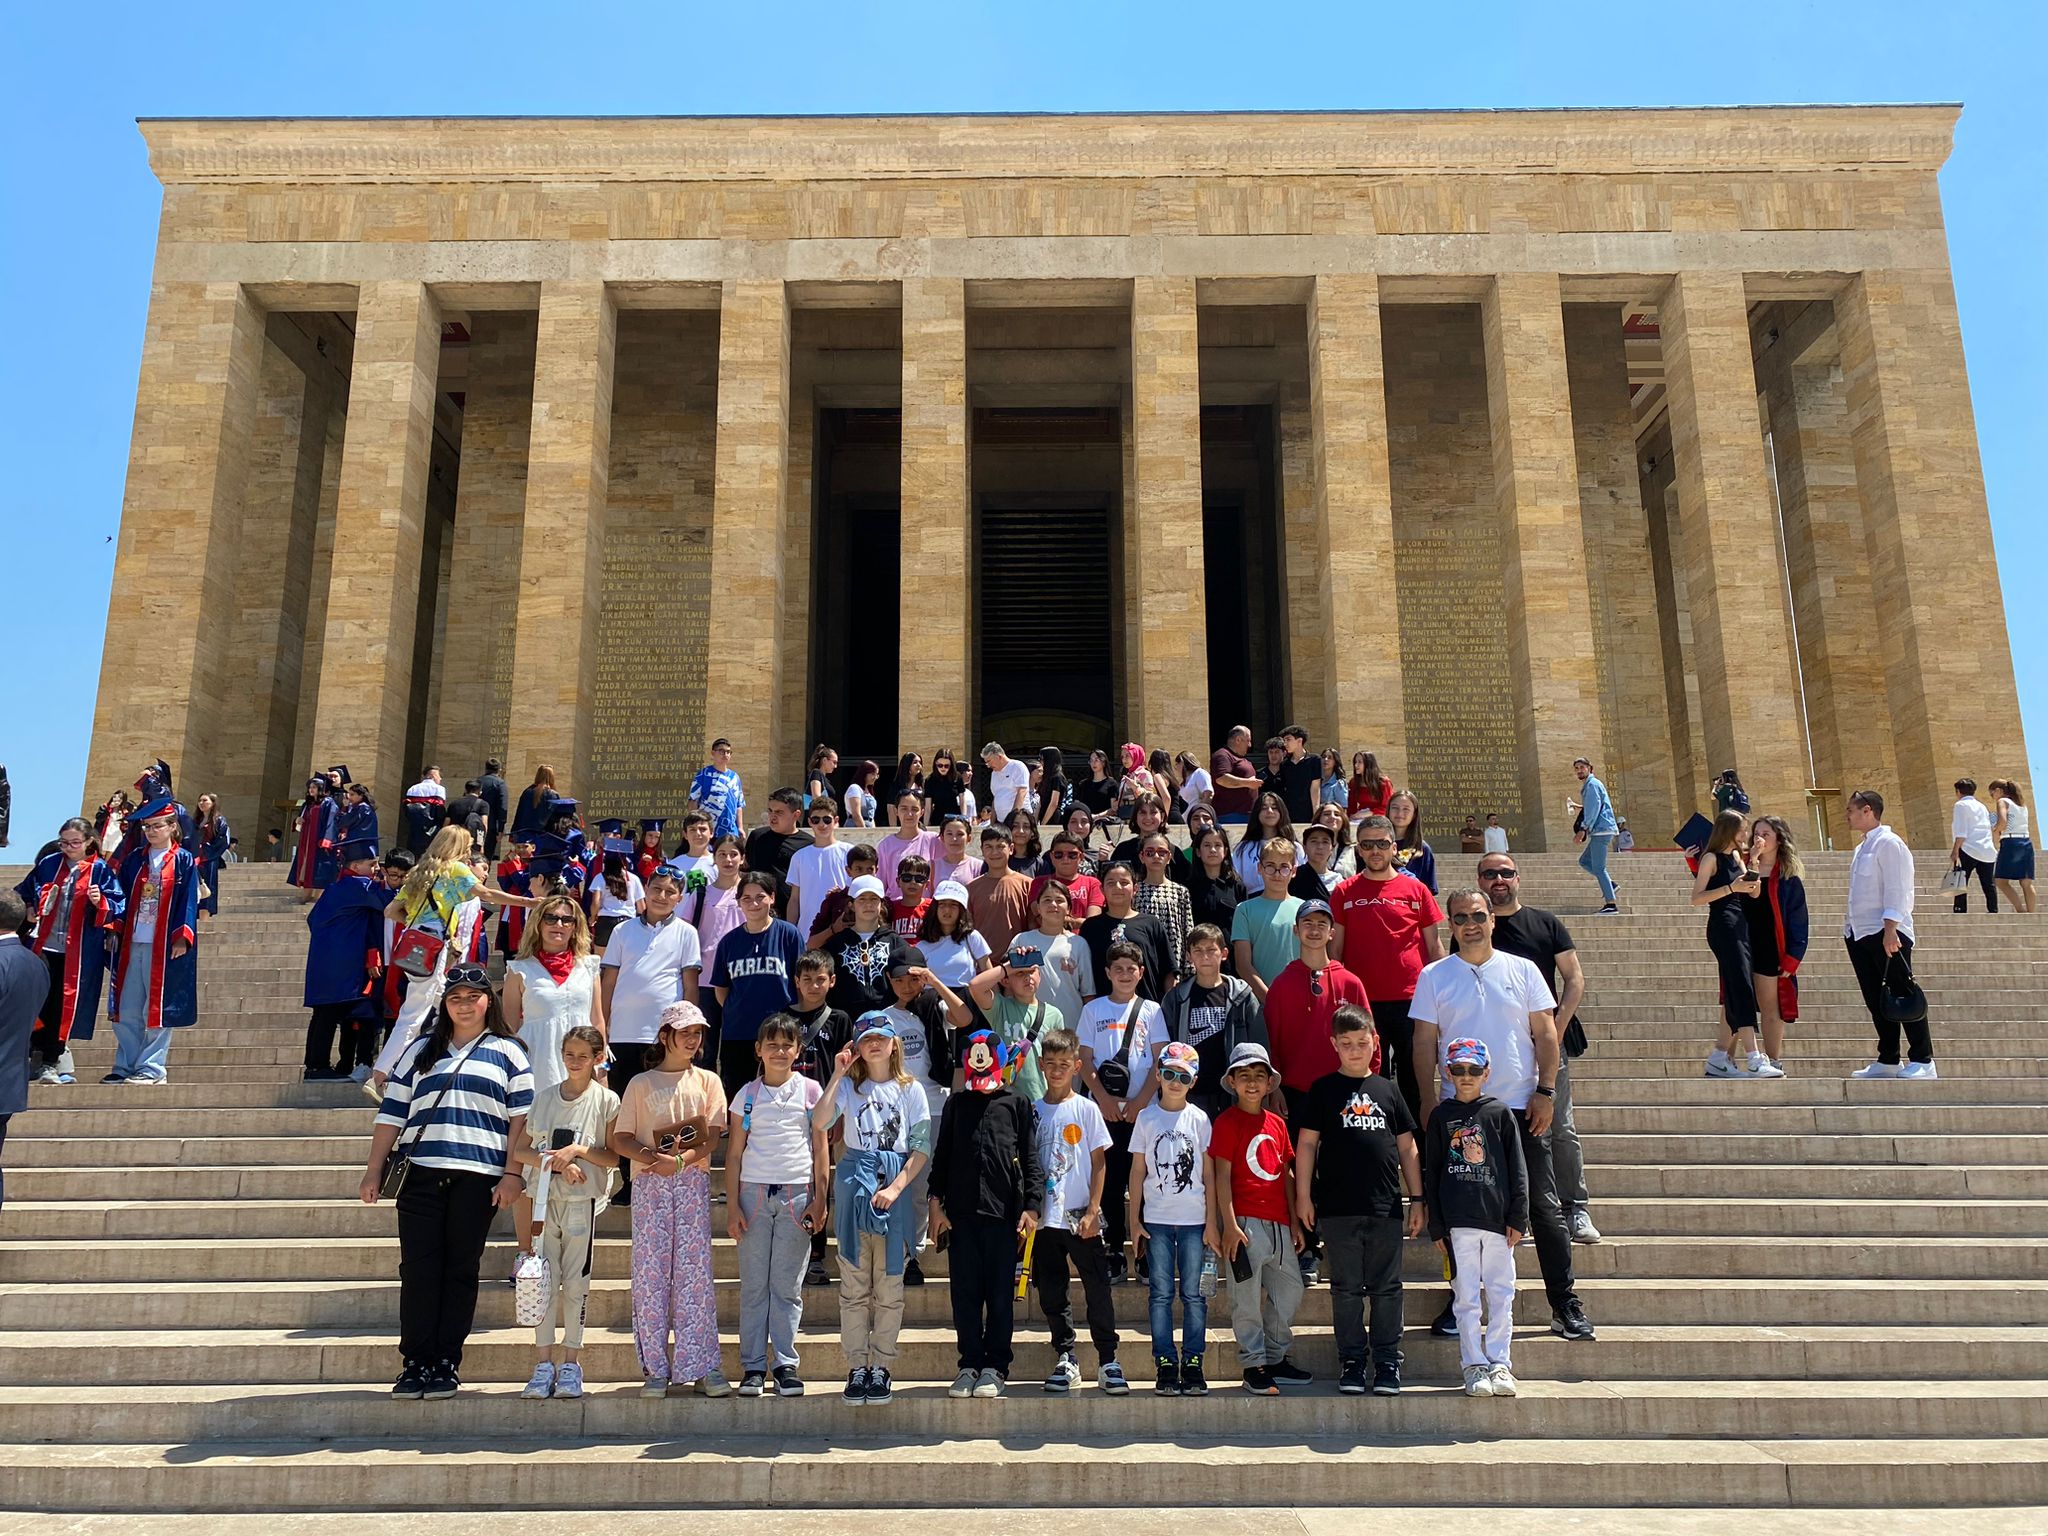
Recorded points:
895,848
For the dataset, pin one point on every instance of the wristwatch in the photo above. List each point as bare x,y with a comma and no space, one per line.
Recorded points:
1548,1093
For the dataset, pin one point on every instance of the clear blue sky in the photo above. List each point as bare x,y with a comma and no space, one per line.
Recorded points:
78,207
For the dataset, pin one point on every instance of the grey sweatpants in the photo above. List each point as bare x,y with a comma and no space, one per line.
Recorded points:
773,1252
1262,1308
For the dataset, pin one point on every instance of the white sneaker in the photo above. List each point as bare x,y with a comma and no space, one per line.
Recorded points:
569,1380
1875,1070
1919,1071
1478,1381
1718,1064
713,1384
1583,1230
542,1382
963,1384
1761,1065
48,1077
1503,1381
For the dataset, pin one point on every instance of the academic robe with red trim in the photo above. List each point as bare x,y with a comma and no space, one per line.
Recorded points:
174,979
512,876
345,944
86,930
306,853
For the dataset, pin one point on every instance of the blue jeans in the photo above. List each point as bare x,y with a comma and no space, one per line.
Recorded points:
1176,1254
1594,861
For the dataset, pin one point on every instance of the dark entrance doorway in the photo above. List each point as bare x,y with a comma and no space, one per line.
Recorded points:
1042,594
1242,577
856,649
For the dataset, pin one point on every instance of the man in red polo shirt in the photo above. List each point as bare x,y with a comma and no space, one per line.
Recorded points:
1386,933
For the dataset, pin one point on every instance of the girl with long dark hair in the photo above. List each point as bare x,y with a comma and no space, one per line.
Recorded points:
1720,885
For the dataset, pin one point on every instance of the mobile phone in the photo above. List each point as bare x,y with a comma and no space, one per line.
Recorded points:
944,1239
1241,1264
563,1137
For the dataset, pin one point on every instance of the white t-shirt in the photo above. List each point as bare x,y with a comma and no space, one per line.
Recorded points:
1972,823
816,873
1101,1030
1069,1132
1066,969
683,863
1490,1003
952,962
778,1126
1176,1146
650,961
1199,784
878,1116
609,905
1009,787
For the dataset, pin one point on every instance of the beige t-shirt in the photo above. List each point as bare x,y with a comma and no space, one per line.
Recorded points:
656,1099
588,1118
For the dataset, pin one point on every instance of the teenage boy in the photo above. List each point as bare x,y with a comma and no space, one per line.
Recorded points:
773,846
1249,1161
1478,1193
1006,997
1300,776
750,972
1354,1160
1119,1035
817,871
999,898
985,1176
835,912
651,960
824,1033
717,792
919,1011
1262,941
1072,1144
863,951
1386,933
1120,922
1169,1204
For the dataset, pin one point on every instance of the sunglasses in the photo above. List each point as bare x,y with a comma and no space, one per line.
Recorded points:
468,976
1315,983
1066,853
1468,919
566,919
1466,1069
1173,1075
822,821
1375,842
1498,874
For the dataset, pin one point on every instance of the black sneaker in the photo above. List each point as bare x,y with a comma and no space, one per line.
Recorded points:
411,1383
1288,1374
856,1385
1192,1382
913,1273
1119,1269
787,1382
324,1075
1169,1376
752,1383
1570,1321
1386,1379
441,1381
1259,1382
1446,1324
880,1389
1351,1378
815,1273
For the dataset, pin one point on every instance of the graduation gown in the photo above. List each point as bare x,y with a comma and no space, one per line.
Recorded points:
173,980
306,853
345,940
512,876
208,854
86,930
357,824
327,857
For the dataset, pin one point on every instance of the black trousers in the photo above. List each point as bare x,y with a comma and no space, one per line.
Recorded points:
1055,1248
983,1255
1728,938
1365,1264
444,1219
1983,869
1297,1117
1116,1187
1397,1051
42,1040
357,1031
3,1167
737,1065
1867,958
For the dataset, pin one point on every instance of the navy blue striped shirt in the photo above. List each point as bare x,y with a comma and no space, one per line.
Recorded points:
467,1104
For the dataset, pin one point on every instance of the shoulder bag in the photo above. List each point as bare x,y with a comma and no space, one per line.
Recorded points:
1115,1073
1902,1001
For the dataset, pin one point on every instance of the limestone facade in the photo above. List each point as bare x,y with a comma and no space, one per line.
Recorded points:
521,438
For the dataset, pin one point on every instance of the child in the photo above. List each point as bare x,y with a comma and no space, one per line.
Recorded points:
1072,1141
919,1011
668,1124
888,1142
835,912
906,913
577,1113
823,1032
775,1199
1478,1190
1262,938
1067,978
1169,1204
1249,1154
1357,1133
1119,1034
819,870
1007,997
985,1175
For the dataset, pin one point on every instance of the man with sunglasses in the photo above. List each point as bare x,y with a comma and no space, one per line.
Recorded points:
1386,933
1539,937
1482,993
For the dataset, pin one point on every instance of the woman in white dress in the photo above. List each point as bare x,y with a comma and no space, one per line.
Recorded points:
550,989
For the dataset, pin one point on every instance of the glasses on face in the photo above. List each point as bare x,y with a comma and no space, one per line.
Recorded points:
1466,1069
1499,874
1277,869
1156,853
1375,842
1066,853
563,919
821,821
70,842
1174,1075
1468,919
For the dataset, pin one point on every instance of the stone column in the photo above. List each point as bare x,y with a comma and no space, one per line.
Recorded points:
935,703
1166,630
170,618
1355,594
747,515
1301,562
490,513
373,589
561,546
1536,482
1742,650
1947,662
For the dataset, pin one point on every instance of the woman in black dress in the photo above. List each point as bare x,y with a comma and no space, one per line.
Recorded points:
1721,883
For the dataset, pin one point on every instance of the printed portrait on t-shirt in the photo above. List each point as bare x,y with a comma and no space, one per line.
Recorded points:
1176,1157
880,1121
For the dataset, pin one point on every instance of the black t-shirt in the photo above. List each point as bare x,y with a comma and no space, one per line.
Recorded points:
772,851
1359,1122
1296,782
1208,1031
1097,794
1536,936
1152,940
826,1032
942,794
860,978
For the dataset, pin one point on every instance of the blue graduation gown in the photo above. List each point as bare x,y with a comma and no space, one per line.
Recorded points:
174,980
86,932
208,854
327,858
346,938
358,824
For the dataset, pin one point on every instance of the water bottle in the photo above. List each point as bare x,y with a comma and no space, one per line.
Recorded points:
1209,1276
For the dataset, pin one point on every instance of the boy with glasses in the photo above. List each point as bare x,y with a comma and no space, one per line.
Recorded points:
1084,892
1262,941
1478,1192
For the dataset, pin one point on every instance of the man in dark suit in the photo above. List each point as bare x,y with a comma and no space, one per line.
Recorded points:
24,981
492,787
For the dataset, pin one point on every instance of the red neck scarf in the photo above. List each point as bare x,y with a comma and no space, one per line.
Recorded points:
558,965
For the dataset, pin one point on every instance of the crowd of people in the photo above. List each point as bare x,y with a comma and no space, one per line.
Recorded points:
1037,1032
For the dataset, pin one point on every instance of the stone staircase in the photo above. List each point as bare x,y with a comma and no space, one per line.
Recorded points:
1813,1293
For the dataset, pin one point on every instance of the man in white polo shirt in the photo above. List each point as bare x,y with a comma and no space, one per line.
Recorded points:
1483,993
650,961
1009,781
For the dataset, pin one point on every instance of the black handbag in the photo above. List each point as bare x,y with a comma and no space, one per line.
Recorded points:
398,1161
1901,1000
1115,1073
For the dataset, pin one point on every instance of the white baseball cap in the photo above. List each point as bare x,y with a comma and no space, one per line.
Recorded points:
866,885
951,890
